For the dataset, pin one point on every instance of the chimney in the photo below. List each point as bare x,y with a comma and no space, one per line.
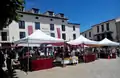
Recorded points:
60,15
50,13
34,10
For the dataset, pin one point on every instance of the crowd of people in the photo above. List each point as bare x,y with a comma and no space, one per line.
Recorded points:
24,55
6,57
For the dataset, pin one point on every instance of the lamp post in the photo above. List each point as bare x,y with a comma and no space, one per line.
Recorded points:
105,34
12,40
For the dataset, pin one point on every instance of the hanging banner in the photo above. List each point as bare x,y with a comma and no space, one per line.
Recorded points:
30,30
58,32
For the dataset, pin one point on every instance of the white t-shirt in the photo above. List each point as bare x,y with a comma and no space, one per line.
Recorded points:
78,50
73,53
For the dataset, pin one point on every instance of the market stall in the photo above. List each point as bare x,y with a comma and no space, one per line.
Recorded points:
81,40
39,37
108,43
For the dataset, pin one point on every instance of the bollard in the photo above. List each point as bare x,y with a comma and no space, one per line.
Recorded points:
108,57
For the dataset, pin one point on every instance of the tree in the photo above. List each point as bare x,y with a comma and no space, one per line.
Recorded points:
9,11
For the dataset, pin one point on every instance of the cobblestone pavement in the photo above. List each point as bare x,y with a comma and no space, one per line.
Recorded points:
102,68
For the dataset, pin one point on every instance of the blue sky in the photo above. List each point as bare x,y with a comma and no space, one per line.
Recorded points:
85,12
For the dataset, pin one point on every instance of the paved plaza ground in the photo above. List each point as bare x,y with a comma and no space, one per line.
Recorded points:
102,68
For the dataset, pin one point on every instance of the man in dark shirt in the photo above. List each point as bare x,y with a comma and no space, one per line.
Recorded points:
9,66
2,73
1,59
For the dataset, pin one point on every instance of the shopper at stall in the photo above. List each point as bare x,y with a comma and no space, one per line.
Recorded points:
2,73
118,52
21,59
9,64
73,52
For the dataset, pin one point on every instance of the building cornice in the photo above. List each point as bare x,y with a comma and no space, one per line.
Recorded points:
86,31
74,23
29,13
103,22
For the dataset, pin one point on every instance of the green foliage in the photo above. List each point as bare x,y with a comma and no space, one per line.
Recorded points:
9,11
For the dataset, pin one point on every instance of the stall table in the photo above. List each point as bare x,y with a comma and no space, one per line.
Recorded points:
42,64
113,56
89,58
103,55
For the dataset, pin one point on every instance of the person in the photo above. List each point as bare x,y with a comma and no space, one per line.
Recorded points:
2,59
25,62
21,54
78,50
51,52
32,52
114,53
55,53
37,52
9,65
13,53
118,52
73,52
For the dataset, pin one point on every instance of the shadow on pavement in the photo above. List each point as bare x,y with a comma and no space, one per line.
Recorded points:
11,74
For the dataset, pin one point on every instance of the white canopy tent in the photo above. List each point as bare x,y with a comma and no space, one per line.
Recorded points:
39,37
31,45
82,40
107,42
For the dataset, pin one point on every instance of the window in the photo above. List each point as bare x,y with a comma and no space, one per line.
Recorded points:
103,36
73,28
21,15
62,20
97,28
98,38
22,24
89,34
36,11
74,36
109,36
22,35
64,36
52,27
36,17
37,25
51,19
4,36
102,28
51,13
53,34
107,26
62,15
63,27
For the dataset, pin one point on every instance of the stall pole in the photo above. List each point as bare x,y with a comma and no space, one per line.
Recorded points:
28,56
63,55
84,52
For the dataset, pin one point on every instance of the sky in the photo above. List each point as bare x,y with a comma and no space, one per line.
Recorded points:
84,12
